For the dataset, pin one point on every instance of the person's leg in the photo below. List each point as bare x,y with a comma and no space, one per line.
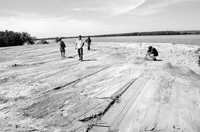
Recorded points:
199,61
89,46
154,58
63,53
81,53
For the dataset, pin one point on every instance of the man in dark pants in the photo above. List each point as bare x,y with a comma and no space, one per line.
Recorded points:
80,54
79,47
88,42
62,47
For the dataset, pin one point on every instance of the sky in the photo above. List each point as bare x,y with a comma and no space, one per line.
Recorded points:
52,18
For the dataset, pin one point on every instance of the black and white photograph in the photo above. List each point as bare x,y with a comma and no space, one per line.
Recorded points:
99,65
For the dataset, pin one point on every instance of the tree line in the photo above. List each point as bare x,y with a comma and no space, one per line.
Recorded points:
154,33
11,38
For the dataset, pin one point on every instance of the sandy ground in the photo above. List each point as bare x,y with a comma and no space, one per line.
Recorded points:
113,90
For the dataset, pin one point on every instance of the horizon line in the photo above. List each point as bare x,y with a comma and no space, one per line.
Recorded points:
146,33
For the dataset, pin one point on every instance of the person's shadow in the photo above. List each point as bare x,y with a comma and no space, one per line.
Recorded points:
71,57
93,50
152,59
89,60
158,60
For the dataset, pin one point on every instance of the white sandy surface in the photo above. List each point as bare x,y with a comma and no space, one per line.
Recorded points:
114,90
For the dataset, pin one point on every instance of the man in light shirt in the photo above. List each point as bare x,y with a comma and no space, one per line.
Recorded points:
79,47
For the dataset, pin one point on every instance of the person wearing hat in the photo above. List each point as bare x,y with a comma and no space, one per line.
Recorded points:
79,46
62,47
152,53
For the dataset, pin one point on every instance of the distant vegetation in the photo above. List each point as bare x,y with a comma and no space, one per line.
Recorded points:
154,33
151,33
43,42
10,38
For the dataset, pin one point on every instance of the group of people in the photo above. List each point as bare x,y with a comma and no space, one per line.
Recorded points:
151,54
79,43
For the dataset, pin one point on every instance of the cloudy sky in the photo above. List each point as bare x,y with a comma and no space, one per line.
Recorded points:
48,18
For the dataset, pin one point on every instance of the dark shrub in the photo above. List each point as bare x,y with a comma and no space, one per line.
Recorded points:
10,38
44,42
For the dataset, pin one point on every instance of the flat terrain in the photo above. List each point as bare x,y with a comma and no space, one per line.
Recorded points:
113,90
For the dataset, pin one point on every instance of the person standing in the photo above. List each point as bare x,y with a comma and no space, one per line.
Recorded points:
79,47
199,61
88,42
62,47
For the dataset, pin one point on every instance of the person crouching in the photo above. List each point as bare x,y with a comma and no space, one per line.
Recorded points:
152,53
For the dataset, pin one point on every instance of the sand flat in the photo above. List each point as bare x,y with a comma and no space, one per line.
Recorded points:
113,89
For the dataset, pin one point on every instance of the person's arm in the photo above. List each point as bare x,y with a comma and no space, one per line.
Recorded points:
75,45
83,43
147,54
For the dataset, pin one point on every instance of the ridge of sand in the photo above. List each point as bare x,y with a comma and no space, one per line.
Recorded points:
114,89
